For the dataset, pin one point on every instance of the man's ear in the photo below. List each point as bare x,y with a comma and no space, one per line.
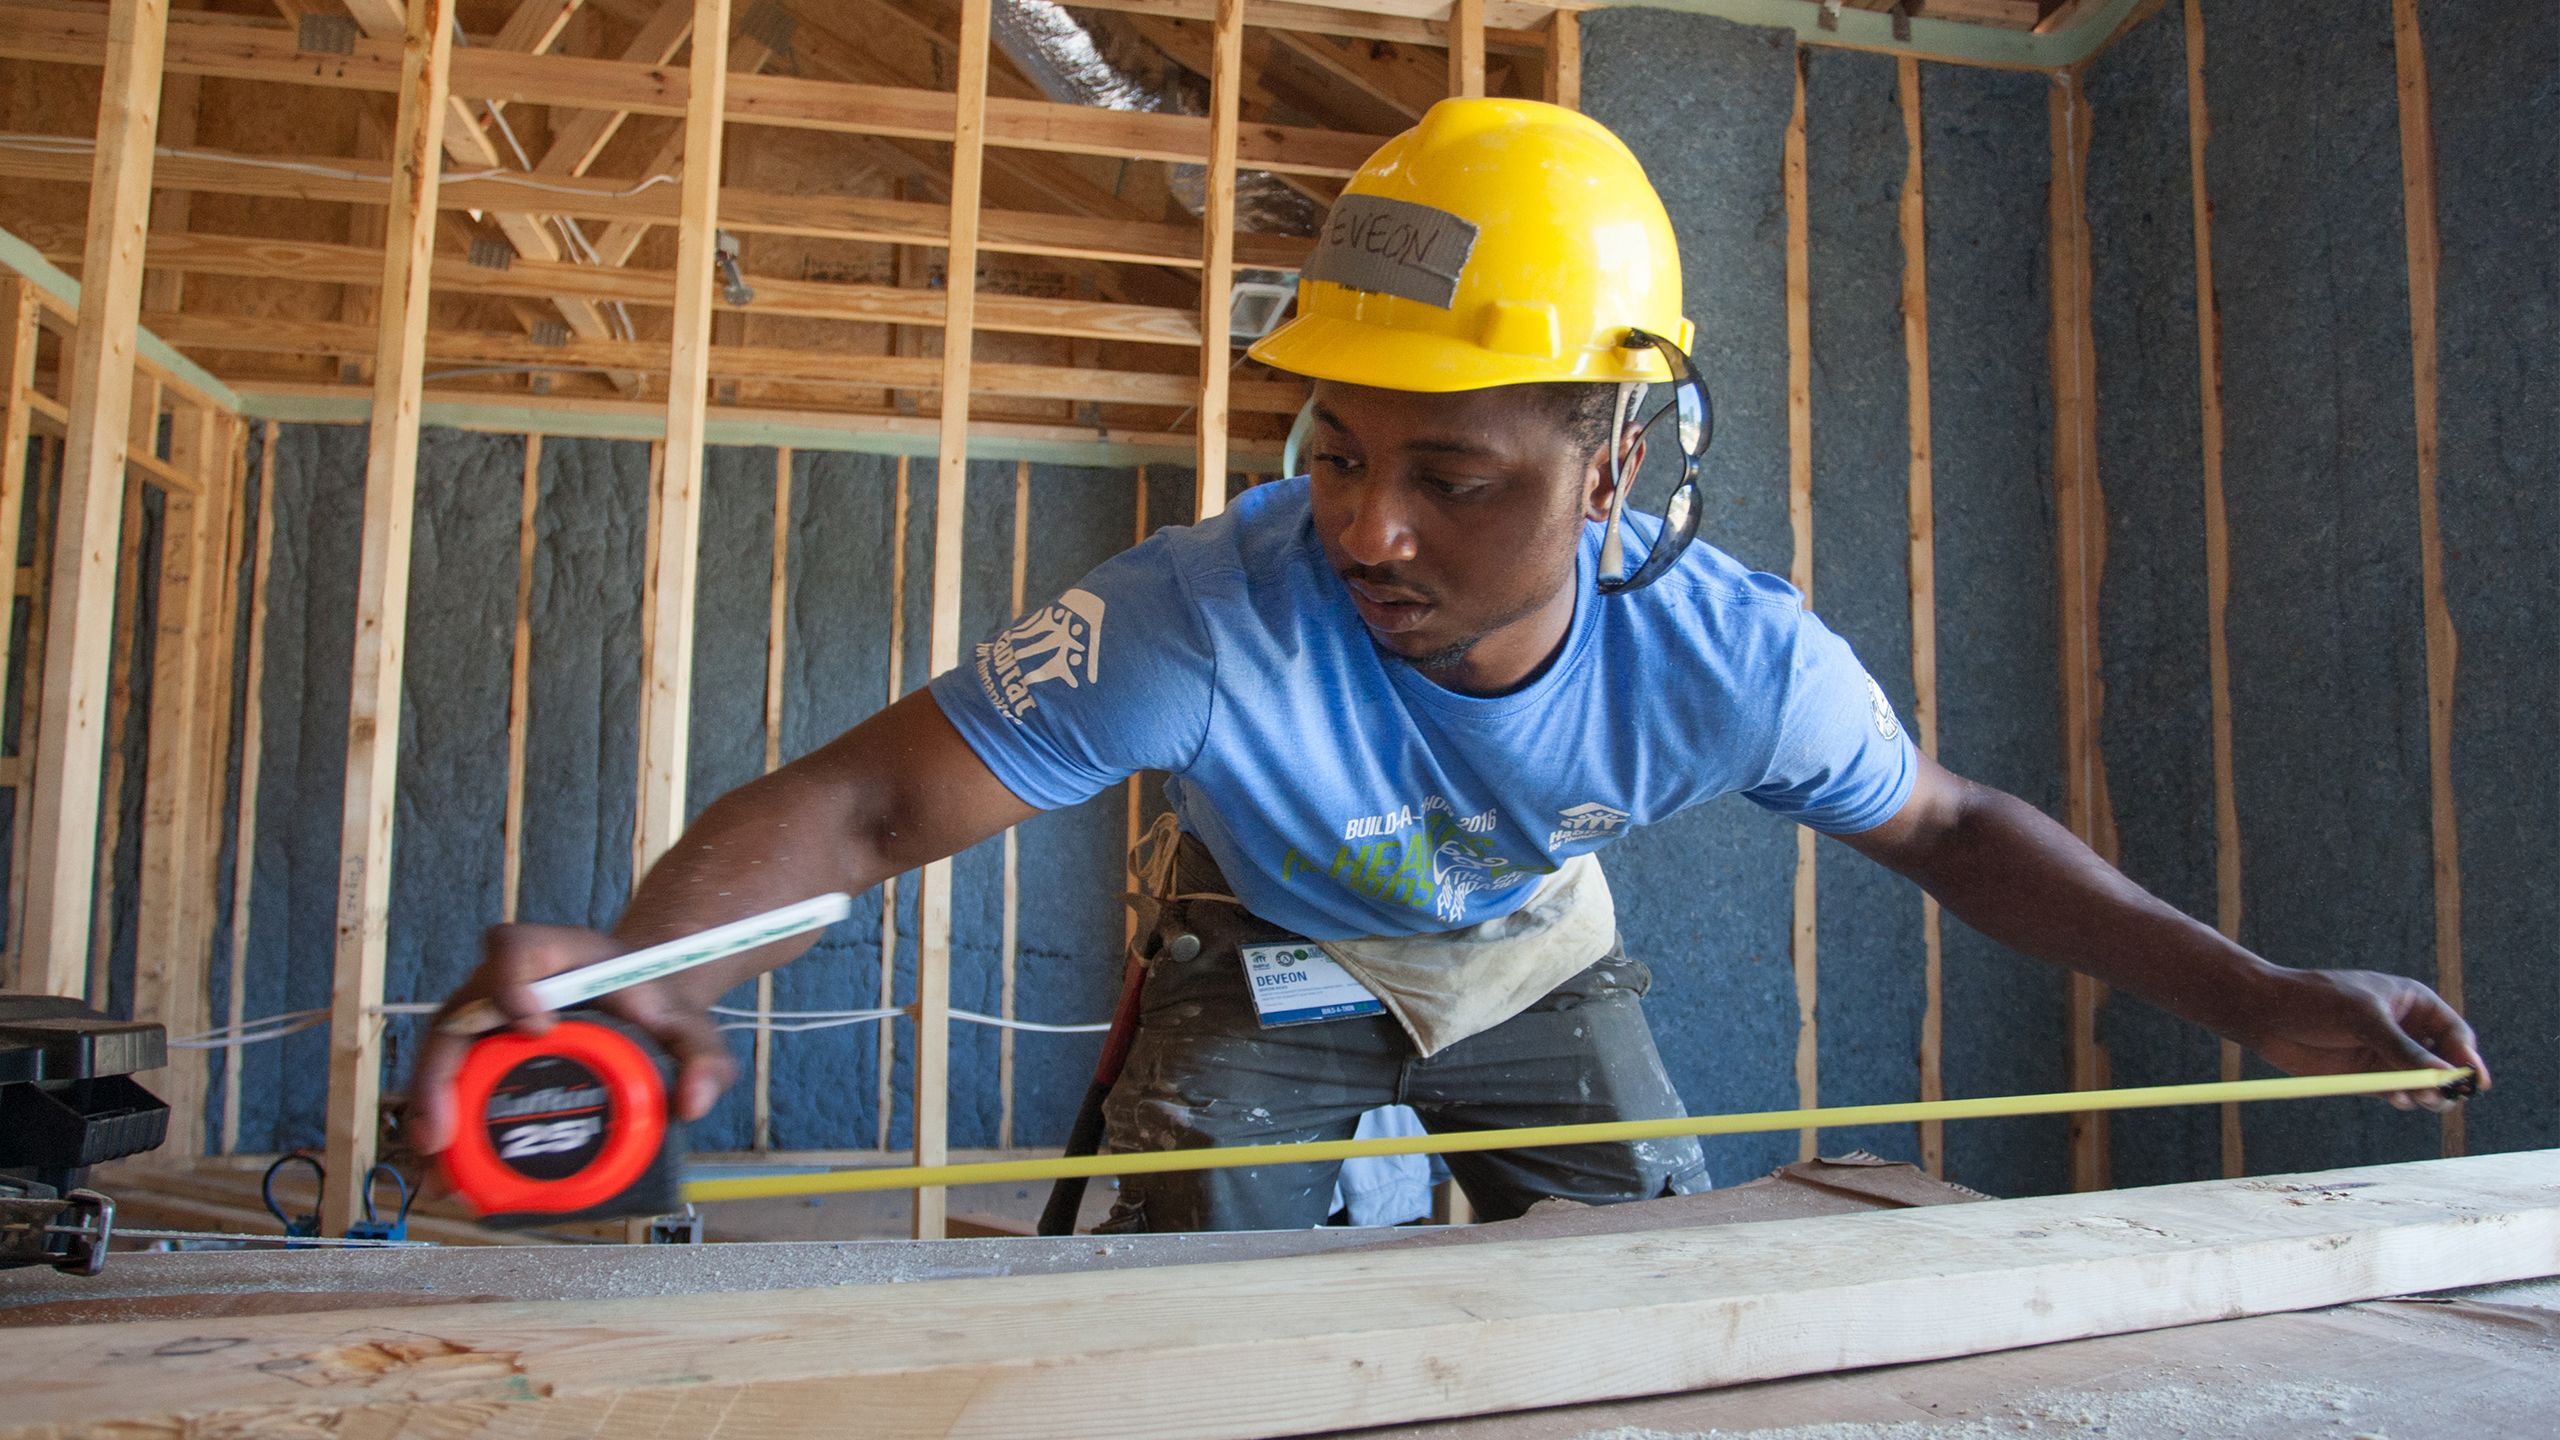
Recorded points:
1596,487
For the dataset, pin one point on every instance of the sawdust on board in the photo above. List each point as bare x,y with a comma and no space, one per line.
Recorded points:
2169,1412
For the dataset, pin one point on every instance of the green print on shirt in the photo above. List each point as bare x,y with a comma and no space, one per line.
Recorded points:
1434,866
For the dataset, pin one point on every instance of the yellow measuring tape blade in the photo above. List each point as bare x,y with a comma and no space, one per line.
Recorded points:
1002,1172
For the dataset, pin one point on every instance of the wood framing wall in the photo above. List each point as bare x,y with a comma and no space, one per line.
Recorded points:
1968,401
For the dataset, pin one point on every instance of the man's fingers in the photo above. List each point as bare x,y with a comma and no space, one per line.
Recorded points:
703,1065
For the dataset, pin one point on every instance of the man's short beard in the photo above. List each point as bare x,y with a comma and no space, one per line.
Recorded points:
1447,657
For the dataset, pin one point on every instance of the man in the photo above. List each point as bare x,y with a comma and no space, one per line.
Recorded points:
1404,700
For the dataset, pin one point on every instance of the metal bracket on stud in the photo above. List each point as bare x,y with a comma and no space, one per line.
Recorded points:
490,253
550,332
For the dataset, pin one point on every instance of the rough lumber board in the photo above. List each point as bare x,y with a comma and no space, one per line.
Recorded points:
1564,59
520,684
1466,49
1804,924
1218,264
1912,219
1319,1343
970,124
2426,254
826,217
17,466
666,704
920,374
2228,896
252,748
361,265
169,956
80,615
2080,562
382,616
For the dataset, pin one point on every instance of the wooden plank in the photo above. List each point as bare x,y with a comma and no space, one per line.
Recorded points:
931,1115
1466,49
2426,257
1010,942
1804,928
776,629
244,845
1339,1342
119,725
2080,562
1218,265
520,685
18,473
354,265
2229,898
168,964
581,137
166,290
832,217
382,618
814,365
79,614
1912,218
226,476
666,704
47,465
888,1041
1564,59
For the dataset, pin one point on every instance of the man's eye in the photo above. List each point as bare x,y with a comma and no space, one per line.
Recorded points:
1343,463
1456,487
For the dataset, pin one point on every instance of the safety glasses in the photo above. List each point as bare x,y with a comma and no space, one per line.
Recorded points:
1695,425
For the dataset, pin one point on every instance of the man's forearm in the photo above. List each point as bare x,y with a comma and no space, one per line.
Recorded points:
2008,870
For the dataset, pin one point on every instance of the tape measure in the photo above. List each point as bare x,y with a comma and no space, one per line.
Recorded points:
571,1124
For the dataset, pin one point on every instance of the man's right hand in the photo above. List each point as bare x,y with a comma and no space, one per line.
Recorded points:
513,957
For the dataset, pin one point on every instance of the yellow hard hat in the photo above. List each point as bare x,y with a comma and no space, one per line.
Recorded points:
1496,242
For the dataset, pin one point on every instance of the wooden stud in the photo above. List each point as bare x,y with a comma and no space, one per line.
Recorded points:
776,629
170,209
382,618
520,684
18,476
666,706
1466,48
40,494
80,615
2426,254
648,633
889,888
119,727
1804,931
1564,59
2228,896
950,506
2080,562
1218,266
1135,787
226,475
244,846
168,965
1912,216
1011,941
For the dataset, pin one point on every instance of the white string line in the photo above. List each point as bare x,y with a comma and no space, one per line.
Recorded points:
82,145
782,1022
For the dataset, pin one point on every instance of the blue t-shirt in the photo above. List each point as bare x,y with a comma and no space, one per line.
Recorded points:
1345,794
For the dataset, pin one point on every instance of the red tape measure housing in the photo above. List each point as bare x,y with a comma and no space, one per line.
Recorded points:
555,1123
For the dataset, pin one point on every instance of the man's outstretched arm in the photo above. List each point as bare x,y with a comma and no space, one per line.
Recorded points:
898,790
2005,868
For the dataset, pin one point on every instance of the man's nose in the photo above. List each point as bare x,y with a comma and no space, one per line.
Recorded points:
1378,531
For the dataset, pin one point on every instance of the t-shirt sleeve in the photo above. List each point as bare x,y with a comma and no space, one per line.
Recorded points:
1842,762
1113,677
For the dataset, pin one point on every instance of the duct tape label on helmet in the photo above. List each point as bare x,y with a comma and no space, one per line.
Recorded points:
1393,247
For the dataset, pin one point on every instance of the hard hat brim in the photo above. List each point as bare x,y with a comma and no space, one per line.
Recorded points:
1355,352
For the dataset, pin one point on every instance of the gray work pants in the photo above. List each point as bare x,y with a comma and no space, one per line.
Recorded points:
1204,1072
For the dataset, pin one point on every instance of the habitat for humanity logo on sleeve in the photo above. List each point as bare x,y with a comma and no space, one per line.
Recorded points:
1055,642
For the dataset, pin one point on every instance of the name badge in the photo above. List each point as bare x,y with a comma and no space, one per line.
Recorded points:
1299,984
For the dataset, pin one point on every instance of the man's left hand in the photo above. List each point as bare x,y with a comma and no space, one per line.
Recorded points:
2336,1022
